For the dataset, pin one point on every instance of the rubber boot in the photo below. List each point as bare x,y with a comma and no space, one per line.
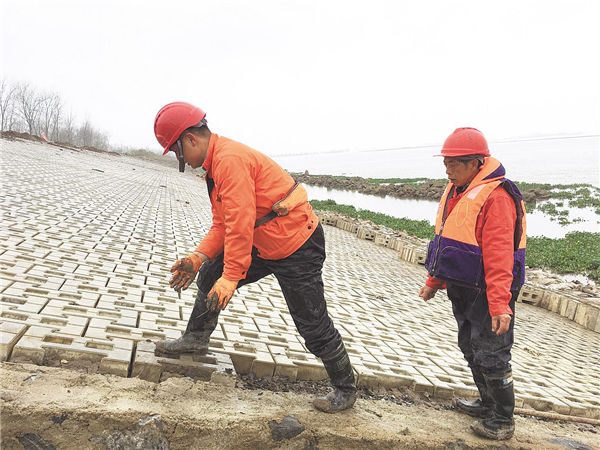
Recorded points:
197,334
501,425
482,407
343,396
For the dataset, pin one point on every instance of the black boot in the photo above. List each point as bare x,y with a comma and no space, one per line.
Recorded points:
483,407
340,372
501,425
197,334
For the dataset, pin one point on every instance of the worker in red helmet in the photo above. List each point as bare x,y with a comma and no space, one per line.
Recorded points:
262,224
478,256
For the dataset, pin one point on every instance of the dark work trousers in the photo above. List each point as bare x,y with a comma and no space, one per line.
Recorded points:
484,350
299,276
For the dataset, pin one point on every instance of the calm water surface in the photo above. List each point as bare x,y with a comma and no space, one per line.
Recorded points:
565,160
538,224
550,160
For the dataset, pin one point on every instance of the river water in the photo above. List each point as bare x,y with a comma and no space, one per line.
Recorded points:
550,160
556,161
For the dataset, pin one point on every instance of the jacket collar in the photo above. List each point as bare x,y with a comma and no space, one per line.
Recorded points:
207,164
492,170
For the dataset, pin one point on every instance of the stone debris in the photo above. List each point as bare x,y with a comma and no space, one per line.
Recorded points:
85,259
288,428
148,433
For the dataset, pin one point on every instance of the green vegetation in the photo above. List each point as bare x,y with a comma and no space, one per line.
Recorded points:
577,196
416,182
547,187
419,228
577,252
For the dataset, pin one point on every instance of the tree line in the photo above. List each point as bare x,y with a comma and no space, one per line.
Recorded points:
26,109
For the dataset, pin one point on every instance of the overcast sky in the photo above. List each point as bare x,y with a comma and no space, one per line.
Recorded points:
300,76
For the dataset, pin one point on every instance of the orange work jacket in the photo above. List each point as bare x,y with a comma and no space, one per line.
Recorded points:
245,185
480,238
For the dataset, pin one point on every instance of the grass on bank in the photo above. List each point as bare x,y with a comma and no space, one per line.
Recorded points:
578,252
577,195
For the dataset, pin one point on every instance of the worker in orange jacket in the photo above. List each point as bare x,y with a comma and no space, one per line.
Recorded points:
478,255
262,224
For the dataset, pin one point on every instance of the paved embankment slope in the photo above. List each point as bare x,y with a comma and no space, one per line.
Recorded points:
87,241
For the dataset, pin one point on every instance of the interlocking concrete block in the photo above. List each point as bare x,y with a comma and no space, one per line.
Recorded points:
43,346
10,333
556,300
531,294
104,329
249,357
73,326
407,253
213,367
309,367
284,366
388,376
420,256
365,233
329,220
587,315
62,309
568,307
383,239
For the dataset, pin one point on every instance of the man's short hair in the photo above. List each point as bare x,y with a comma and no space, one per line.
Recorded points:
466,158
201,129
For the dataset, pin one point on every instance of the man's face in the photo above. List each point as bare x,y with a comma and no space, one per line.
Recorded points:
193,155
460,173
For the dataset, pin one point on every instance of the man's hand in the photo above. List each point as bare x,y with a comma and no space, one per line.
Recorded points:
501,323
184,270
427,293
220,294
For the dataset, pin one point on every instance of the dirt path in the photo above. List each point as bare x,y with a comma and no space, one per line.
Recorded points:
47,408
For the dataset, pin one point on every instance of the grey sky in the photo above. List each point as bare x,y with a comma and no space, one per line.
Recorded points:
299,76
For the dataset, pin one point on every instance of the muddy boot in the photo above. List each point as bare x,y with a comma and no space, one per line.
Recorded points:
483,407
194,342
501,425
341,374
197,334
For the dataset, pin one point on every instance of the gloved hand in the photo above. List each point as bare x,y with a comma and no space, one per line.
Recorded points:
184,271
220,294
295,198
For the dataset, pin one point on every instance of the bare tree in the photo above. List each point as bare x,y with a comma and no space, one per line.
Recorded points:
7,104
67,130
50,112
57,118
100,140
23,108
85,133
29,106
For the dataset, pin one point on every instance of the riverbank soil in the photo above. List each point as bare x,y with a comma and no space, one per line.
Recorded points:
54,408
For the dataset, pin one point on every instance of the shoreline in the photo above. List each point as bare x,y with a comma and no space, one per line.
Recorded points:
543,288
575,254
432,189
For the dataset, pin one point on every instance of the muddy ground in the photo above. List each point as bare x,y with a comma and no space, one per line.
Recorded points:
55,408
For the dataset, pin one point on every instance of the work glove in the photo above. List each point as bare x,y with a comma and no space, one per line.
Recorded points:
184,271
220,294
289,202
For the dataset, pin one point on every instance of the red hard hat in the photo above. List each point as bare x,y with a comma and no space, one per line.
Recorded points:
173,119
465,141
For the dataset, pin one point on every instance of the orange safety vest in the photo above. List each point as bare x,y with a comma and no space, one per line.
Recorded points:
454,255
243,185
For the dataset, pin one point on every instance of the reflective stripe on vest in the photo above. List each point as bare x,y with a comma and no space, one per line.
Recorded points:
455,255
